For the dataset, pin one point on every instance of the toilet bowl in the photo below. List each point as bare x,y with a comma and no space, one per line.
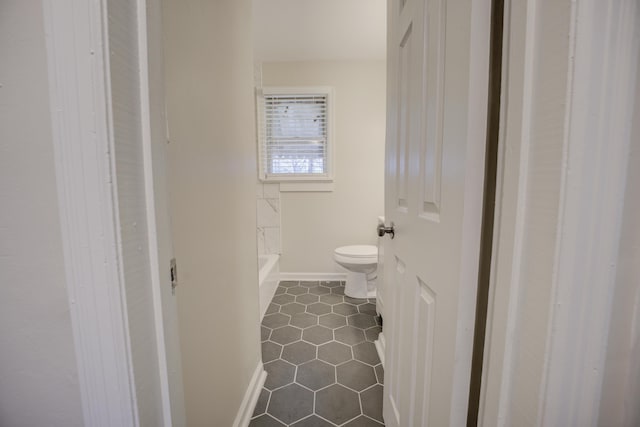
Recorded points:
361,262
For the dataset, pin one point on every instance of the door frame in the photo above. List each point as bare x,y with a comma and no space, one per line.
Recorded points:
588,226
80,103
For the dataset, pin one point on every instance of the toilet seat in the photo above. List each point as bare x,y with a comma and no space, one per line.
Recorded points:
359,254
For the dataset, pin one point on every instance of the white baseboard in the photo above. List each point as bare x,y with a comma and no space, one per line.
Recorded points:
380,344
251,397
314,276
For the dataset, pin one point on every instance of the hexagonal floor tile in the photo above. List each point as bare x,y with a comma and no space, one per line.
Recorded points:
371,399
346,334
312,421
283,299
334,352
297,290
270,351
275,320
355,301
309,283
331,299
265,421
368,308
307,298
366,352
299,352
261,404
272,308
356,375
372,333
315,374
380,374
339,290
337,404
362,321
318,308
362,421
291,403
264,333
303,320
280,290
285,335
279,373
317,335
319,290
288,283
345,309
332,320
294,308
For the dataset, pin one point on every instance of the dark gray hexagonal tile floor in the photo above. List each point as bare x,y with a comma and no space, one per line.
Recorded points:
317,335
286,335
312,421
299,352
327,373
303,320
369,400
316,374
337,404
332,320
348,335
334,352
366,352
356,375
291,403
295,308
319,308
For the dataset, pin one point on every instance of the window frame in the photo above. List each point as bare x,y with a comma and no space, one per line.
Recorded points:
306,181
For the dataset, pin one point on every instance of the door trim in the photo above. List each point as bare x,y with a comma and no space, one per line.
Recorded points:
77,53
511,185
156,269
587,231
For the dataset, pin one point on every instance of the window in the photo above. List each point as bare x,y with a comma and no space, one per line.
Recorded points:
295,134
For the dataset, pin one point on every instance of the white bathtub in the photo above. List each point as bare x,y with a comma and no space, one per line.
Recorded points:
268,277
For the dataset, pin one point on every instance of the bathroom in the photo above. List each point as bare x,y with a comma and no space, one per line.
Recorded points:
302,222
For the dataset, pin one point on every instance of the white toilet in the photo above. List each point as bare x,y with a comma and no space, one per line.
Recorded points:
361,261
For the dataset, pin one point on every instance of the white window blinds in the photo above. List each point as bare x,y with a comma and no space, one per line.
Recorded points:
294,137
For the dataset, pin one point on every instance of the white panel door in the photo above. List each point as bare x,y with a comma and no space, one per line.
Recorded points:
436,120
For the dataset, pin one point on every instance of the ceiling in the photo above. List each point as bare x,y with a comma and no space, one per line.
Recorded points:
307,30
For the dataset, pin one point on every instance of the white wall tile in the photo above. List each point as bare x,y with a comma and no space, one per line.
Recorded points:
260,190
272,240
268,213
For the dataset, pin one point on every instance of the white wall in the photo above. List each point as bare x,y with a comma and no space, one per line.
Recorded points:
621,385
212,177
315,223
38,372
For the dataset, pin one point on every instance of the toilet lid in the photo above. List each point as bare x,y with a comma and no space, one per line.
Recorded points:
358,251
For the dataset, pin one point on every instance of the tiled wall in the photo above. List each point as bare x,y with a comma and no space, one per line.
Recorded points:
268,215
